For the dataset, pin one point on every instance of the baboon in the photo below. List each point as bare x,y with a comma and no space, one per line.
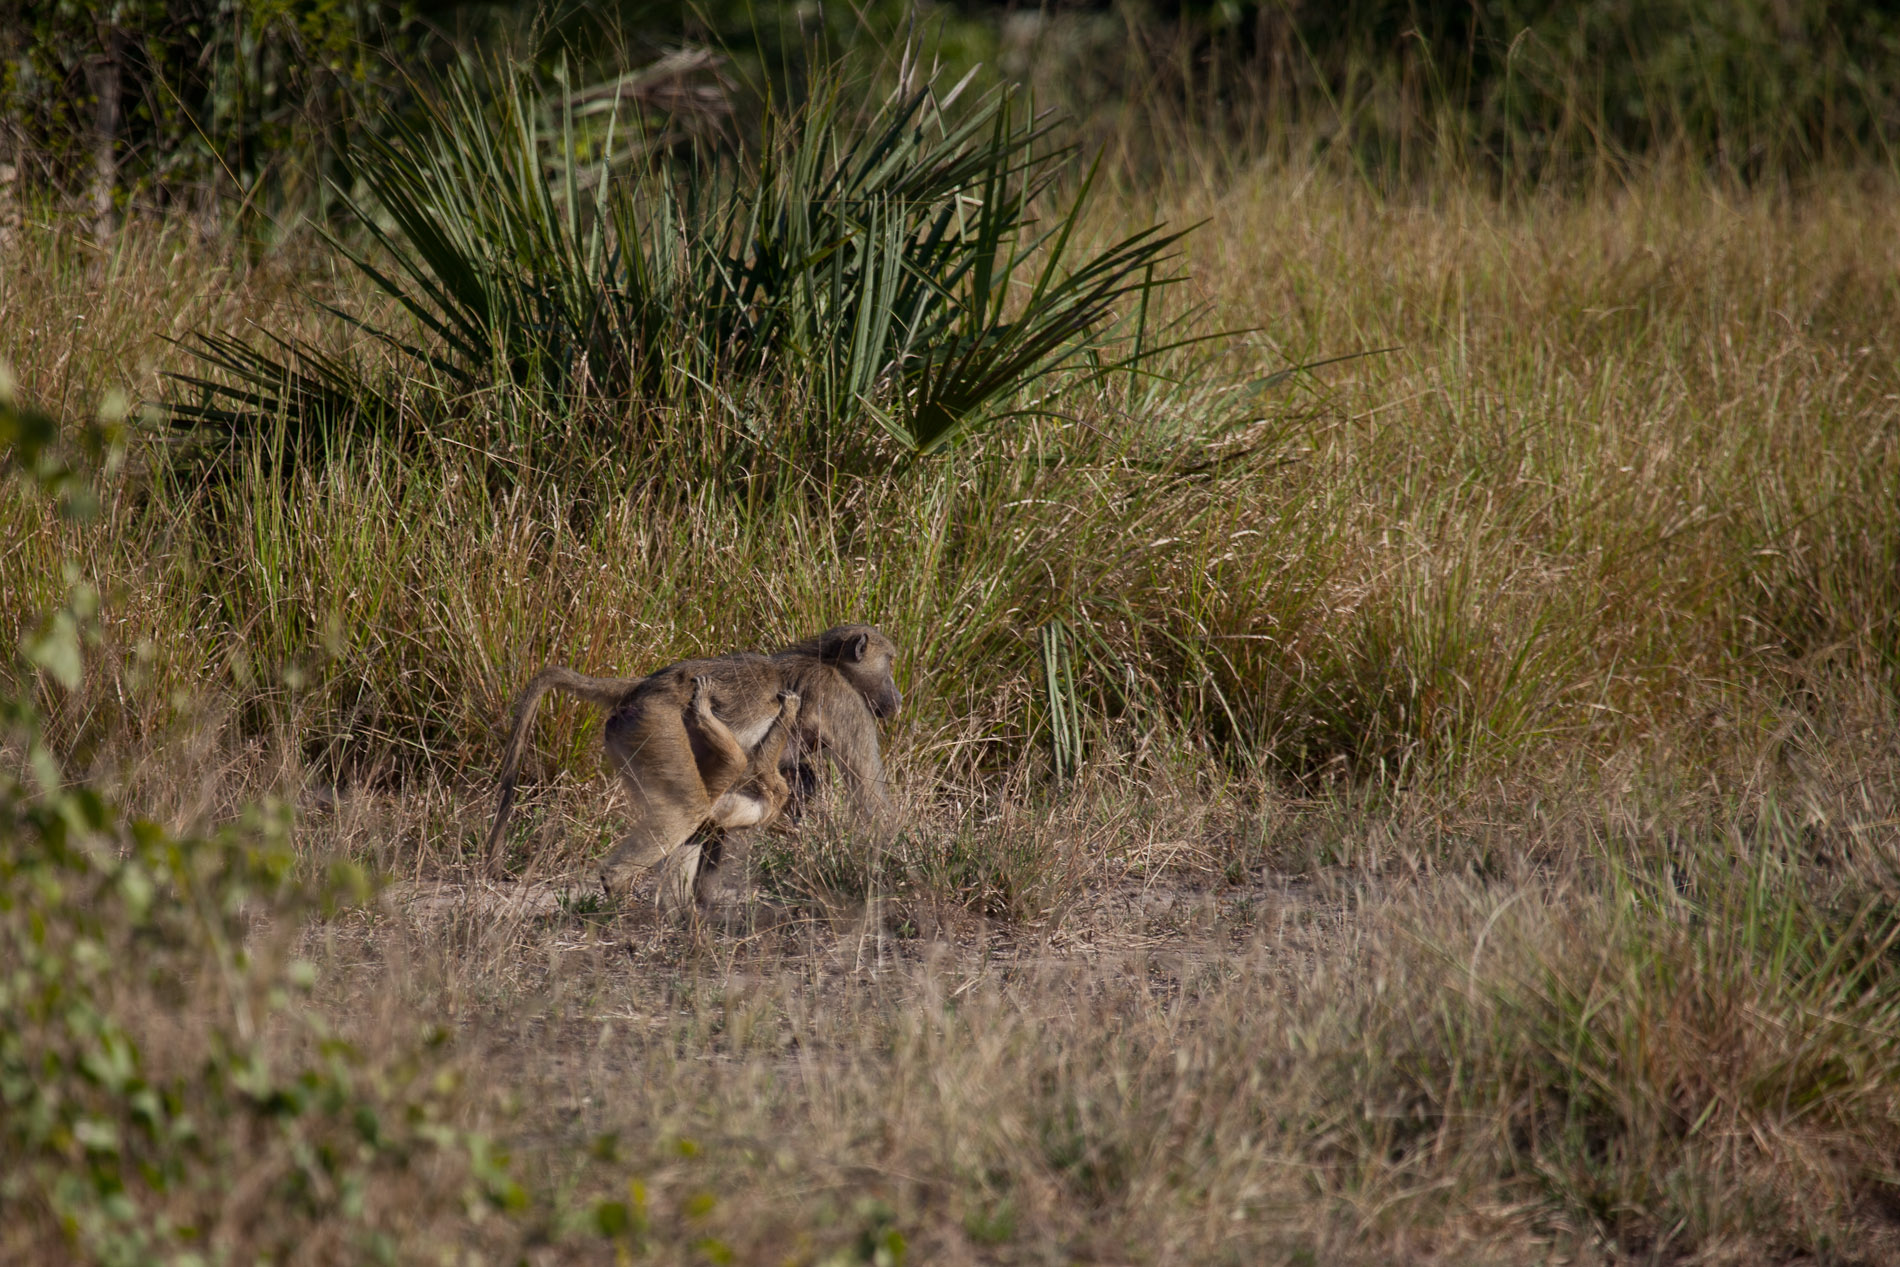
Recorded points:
844,683
745,790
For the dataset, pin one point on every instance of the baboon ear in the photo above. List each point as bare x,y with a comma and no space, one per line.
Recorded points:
858,646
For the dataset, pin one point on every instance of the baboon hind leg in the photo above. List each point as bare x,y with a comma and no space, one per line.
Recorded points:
666,805
678,889
634,853
725,876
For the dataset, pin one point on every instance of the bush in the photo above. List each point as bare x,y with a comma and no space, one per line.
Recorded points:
260,1132
162,102
889,268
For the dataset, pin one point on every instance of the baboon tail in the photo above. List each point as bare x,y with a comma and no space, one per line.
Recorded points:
607,692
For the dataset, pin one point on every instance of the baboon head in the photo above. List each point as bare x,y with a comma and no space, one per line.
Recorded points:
866,658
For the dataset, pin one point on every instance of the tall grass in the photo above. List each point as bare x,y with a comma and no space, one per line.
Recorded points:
1628,479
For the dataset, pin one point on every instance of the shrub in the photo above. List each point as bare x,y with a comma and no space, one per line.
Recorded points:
261,1132
890,268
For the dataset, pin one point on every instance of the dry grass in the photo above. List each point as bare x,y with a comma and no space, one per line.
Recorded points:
1605,1039
1488,854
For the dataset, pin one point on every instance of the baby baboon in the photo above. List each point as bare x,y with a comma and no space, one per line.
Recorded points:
745,790
843,679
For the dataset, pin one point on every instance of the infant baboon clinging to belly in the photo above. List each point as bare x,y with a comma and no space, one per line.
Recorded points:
745,790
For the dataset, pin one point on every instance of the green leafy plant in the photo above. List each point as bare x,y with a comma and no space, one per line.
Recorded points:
106,919
890,267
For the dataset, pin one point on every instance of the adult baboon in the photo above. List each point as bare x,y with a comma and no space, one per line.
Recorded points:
843,678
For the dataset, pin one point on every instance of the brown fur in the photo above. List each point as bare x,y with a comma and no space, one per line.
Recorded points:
662,749
746,791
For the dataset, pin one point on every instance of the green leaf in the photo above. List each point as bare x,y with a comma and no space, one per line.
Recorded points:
612,1218
55,648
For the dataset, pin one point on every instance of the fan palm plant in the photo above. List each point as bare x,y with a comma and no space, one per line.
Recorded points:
891,268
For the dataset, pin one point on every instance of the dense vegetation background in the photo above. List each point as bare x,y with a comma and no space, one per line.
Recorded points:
1393,517
255,103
